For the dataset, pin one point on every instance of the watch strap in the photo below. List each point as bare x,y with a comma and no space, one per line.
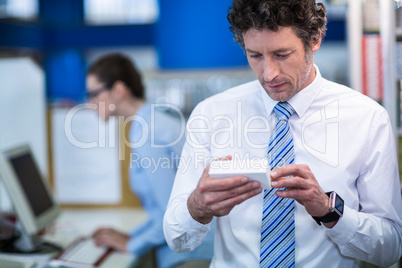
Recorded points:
332,216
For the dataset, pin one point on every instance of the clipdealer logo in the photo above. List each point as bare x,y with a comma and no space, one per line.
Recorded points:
319,132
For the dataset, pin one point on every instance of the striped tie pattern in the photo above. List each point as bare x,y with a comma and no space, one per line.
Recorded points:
278,228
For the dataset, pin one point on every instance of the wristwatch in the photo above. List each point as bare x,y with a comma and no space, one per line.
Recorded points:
336,205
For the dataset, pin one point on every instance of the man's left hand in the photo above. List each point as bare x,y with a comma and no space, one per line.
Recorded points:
301,185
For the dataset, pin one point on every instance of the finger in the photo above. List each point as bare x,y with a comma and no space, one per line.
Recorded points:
302,171
112,232
225,184
223,208
96,234
205,173
101,232
104,229
98,237
97,241
98,231
220,196
296,194
311,200
105,240
291,183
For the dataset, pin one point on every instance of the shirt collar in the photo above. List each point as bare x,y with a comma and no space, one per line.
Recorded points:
301,101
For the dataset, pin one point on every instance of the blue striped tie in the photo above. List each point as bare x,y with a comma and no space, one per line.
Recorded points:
278,227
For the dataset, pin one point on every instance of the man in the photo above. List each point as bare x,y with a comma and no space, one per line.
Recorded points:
323,140
155,140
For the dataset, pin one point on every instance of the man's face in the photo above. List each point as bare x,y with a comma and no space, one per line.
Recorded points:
279,61
98,94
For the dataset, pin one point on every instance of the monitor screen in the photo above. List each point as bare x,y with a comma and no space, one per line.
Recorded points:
32,184
30,195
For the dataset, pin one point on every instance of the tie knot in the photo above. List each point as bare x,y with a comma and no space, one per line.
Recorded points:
283,110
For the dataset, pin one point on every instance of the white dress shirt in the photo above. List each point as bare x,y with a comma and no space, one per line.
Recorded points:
343,136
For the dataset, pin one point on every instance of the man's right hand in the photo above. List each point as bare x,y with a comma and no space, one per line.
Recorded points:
217,197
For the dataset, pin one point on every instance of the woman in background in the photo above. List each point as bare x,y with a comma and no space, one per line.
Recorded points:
115,86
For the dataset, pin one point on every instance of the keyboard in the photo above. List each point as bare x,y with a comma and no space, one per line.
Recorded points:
81,253
8,261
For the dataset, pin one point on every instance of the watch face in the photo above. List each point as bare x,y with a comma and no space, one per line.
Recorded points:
336,203
339,204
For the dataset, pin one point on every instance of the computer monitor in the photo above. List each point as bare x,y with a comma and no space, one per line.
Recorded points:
30,195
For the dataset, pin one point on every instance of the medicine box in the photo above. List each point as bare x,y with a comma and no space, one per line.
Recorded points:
254,169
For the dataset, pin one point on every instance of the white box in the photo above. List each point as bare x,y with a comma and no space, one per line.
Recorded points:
254,169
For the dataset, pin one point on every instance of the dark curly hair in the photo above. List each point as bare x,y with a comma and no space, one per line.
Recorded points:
118,67
306,17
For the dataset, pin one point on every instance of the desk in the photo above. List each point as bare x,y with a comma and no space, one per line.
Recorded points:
73,223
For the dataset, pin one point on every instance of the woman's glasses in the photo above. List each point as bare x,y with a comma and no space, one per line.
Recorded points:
94,93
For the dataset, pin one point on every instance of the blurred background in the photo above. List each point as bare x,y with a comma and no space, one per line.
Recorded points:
184,48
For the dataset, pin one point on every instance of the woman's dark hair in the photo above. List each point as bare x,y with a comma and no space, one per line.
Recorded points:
306,17
117,67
